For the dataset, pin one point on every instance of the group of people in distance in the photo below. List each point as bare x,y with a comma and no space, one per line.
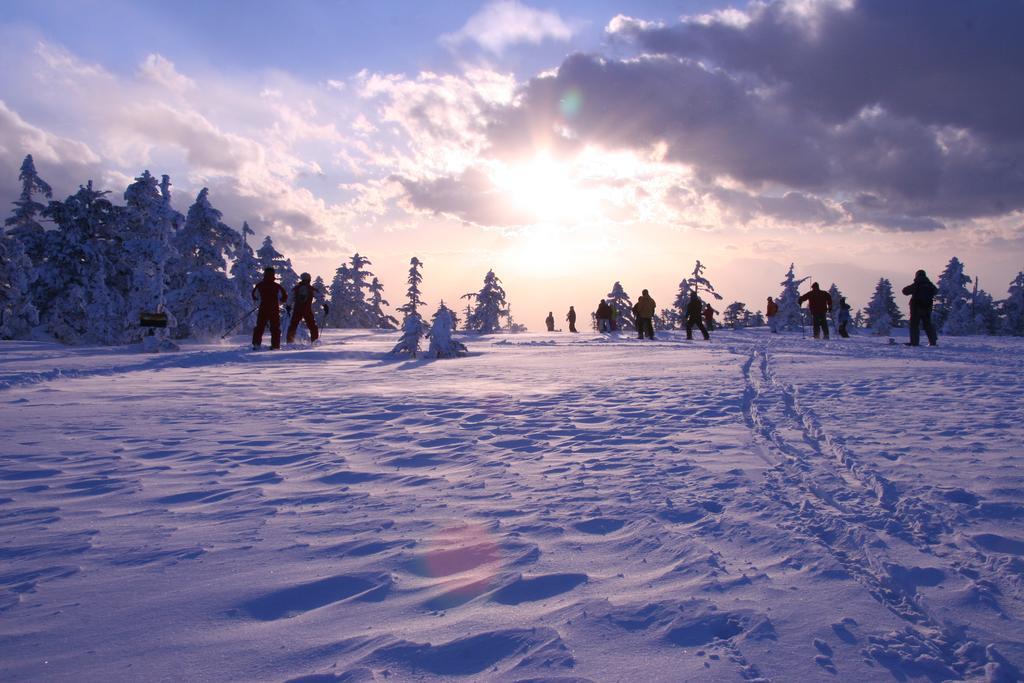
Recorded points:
698,314
819,303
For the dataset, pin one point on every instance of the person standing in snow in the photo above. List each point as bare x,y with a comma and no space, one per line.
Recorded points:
820,305
844,318
270,295
709,317
571,318
644,309
695,317
921,291
602,315
613,318
771,312
303,294
550,321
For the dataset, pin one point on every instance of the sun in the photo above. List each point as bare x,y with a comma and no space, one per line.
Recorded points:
543,187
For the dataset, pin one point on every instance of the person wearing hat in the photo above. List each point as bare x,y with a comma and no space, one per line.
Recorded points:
271,295
303,294
643,310
921,292
571,317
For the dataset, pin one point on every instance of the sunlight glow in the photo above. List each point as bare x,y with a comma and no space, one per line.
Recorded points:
545,188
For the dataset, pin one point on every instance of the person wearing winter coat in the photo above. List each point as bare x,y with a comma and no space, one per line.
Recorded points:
603,315
921,292
613,318
709,317
643,310
270,295
303,294
771,311
695,318
819,303
843,319
571,318
550,321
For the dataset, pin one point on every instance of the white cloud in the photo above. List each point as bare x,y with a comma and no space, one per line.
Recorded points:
161,71
508,22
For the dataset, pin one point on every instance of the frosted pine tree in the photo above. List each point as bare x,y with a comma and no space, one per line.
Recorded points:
680,303
204,300
1012,308
953,294
619,300
342,297
246,270
700,284
986,315
362,310
378,318
319,297
412,334
412,294
491,306
441,343
271,257
148,222
736,315
836,295
667,319
790,316
23,224
881,313
83,282
17,314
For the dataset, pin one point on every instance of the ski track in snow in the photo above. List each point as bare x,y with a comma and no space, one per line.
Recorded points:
550,508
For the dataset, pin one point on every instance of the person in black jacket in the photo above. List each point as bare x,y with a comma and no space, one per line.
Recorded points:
695,317
603,316
921,292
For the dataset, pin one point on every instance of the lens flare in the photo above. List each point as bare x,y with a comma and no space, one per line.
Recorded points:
571,103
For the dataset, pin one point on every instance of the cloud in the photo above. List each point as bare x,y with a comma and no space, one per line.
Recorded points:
913,103
470,197
508,22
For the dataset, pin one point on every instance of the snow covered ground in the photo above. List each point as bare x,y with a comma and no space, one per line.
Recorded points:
550,508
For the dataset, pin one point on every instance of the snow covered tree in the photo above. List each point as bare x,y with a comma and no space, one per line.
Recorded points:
986,314
736,315
756,320
412,333
836,294
378,318
344,299
882,313
953,297
667,319
1012,308
84,280
272,258
23,223
17,314
319,297
246,270
619,300
441,343
695,284
148,222
790,317
490,307
413,293
203,299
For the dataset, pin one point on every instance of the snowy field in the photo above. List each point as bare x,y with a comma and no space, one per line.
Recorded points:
550,508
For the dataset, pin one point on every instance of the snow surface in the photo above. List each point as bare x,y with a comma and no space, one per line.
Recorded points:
550,507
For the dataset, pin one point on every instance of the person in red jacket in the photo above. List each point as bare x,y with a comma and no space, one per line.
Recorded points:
303,294
271,295
819,303
771,312
709,317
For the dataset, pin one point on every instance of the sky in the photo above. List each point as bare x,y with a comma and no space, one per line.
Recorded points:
565,145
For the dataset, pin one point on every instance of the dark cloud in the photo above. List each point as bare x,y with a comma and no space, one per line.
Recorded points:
919,104
469,197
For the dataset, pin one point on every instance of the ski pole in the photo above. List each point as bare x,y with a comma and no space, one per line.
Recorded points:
237,322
